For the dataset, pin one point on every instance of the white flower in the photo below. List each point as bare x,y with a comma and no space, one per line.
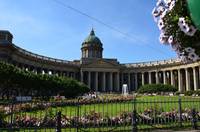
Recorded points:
163,38
161,9
191,31
171,40
168,2
155,12
164,14
155,19
176,46
160,3
185,28
188,30
161,24
193,56
189,50
183,59
172,5
181,21
38,123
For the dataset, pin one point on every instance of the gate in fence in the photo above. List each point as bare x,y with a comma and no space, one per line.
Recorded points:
100,115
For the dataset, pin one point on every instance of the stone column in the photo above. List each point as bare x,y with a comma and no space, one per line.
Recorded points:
89,79
136,81
111,82
164,77
187,79
150,80
180,81
117,81
81,76
142,78
172,78
157,78
96,81
72,75
104,81
129,81
122,78
199,76
195,79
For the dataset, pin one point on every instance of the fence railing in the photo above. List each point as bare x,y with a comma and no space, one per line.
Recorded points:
101,115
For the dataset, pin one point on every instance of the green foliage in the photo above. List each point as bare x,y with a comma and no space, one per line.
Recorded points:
156,88
15,81
171,21
190,93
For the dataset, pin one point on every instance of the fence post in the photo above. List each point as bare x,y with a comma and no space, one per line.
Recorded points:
77,118
194,119
11,110
134,116
58,122
180,111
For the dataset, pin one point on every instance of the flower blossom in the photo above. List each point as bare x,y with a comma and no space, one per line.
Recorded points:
188,30
161,24
163,38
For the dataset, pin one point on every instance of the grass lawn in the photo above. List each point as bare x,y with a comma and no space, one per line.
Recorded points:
161,103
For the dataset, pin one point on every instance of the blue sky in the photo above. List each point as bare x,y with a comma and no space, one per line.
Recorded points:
48,28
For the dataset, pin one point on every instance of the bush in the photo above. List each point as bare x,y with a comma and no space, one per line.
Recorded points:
156,88
15,81
190,93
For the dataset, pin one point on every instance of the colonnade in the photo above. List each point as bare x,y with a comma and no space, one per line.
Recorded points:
101,81
185,79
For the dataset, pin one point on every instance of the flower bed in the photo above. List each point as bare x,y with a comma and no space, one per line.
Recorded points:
95,119
34,106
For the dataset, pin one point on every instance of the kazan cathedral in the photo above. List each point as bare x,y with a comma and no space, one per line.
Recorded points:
103,74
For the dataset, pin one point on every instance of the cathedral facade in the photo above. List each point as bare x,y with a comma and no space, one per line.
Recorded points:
103,74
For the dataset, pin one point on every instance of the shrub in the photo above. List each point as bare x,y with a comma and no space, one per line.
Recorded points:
15,81
156,88
190,93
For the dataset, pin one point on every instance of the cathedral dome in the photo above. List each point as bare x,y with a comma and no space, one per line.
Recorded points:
92,46
92,39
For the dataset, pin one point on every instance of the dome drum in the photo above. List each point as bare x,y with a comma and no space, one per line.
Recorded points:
92,46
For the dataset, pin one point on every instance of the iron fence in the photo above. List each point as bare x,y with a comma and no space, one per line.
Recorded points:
100,115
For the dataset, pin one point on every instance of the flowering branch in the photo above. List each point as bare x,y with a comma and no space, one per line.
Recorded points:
177,28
